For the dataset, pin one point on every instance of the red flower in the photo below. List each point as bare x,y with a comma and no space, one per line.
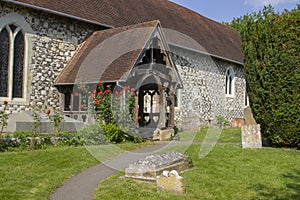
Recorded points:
100,83
100,93
120,92
81,106
139,118
107,91
76,94
116,92
48,112
97,102
126,88
5,102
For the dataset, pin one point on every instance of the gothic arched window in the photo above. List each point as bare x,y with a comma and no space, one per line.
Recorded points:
4,59
12,51
229,84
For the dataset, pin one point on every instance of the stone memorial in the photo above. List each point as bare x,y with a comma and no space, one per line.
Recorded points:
163,135
251,136
149,168
170,181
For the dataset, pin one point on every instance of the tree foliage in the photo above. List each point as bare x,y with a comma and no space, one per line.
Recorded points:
271,46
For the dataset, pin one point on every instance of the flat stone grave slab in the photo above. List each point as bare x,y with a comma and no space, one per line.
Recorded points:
149,168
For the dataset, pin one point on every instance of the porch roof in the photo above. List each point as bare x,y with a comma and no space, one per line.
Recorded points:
107,55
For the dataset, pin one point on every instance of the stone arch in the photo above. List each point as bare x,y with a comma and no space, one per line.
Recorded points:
230,82
17,20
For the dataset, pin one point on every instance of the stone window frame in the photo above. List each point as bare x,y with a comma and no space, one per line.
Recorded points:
230,82
247,101
20,22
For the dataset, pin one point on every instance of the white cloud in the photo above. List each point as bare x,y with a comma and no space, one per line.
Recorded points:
261,3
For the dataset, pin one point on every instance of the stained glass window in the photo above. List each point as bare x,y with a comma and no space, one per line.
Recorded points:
12,47
229,85
18,66
4,56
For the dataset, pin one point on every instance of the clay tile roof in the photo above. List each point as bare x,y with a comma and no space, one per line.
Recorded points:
108,55
215,38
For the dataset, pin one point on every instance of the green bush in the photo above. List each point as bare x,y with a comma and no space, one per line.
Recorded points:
113,133
271,47
92,135
21,141
7,144
117,135
221,121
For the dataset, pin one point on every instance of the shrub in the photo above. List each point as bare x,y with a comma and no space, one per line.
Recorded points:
20,141
113,133
271,49
92,135
8,143
221,121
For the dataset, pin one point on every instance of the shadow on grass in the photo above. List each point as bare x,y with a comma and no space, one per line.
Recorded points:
290,191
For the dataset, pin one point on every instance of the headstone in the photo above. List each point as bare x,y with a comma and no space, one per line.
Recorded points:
170,181
251,136
149,168
163,135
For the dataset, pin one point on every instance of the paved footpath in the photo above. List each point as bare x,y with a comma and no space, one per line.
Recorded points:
83,185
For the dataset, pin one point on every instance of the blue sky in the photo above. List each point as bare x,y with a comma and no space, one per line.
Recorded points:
226,10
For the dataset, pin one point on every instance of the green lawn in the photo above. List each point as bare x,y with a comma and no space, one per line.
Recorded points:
228,172
36,174
226,135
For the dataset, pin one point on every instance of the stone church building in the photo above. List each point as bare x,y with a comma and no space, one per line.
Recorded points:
185,68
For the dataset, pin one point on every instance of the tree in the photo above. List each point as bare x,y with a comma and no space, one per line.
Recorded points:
271,46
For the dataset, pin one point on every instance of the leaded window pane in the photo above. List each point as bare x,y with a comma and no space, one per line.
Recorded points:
18,67
12,27
4,57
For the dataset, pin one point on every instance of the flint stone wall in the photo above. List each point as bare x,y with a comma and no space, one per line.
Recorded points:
56,39
203,95
54,42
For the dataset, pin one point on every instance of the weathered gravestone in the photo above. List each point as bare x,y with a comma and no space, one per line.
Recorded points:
163,135
251,136
170,181
149,168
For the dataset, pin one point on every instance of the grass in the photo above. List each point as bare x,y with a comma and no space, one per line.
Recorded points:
226,135
228,172
36,174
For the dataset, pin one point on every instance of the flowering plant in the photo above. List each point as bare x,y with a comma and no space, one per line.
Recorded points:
56,119
102,101
3,116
